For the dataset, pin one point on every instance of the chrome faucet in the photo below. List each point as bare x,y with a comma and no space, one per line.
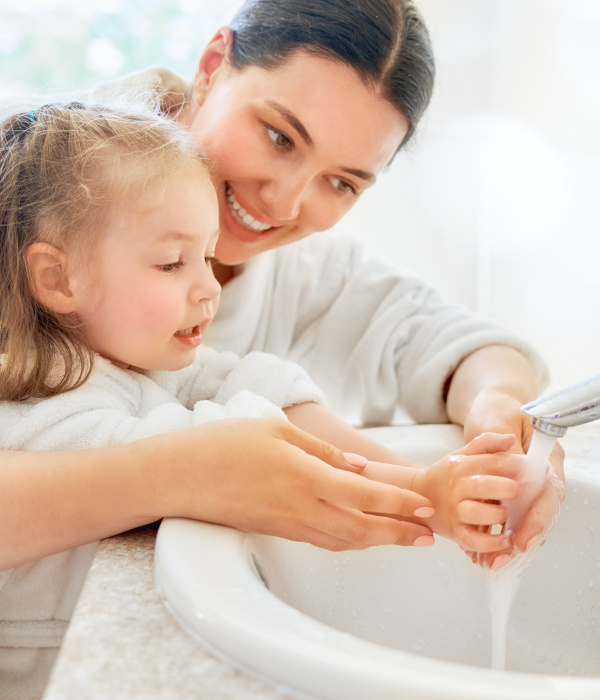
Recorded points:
575,405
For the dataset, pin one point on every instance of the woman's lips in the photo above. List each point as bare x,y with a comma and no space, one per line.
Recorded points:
241,222
242,215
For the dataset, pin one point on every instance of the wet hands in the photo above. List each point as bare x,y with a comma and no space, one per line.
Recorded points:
466,488
499,411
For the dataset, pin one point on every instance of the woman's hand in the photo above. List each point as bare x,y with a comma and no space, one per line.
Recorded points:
265,475
485,395
498,411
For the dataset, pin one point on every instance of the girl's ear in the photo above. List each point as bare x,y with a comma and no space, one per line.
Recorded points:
214,56
48,274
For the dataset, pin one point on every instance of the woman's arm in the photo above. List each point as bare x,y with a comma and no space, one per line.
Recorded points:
257,474
485,395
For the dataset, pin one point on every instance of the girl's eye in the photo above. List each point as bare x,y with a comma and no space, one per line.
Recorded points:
342,187
278,138
170,267
210,261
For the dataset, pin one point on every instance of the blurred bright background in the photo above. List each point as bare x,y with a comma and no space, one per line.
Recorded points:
496,200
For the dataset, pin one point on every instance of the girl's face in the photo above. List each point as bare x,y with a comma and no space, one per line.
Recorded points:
294,147
155,293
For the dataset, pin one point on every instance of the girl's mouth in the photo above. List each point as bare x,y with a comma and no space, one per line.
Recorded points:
188,331
190,336
243,217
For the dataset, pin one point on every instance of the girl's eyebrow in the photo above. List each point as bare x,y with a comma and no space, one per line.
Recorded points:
293,120
175,236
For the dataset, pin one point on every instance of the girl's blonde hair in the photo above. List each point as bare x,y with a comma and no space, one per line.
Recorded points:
62,168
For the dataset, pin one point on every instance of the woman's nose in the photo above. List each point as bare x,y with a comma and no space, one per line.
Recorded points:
284,197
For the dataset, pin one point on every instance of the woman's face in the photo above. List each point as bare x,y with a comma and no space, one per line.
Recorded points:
294,147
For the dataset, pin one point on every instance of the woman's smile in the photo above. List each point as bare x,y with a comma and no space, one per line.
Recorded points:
287,170
242,215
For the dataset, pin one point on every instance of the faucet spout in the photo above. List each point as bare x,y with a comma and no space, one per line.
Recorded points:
575,405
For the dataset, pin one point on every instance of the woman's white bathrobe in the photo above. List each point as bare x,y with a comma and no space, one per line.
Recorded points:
373,337
116,406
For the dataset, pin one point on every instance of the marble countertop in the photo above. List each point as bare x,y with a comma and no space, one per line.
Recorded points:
123,644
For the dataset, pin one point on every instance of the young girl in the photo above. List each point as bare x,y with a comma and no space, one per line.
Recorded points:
109,223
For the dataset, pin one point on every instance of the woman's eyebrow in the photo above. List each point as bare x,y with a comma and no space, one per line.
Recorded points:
363,174
291,119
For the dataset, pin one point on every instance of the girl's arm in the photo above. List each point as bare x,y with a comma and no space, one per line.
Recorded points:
257,474
485,395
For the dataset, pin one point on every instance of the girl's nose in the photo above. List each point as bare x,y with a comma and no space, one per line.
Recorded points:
284,197
206,289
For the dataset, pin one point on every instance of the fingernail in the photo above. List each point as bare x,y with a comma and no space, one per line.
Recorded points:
531,542
500,560
424,512
424,541
355,460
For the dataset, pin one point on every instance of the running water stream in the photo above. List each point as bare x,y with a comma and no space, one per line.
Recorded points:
503,583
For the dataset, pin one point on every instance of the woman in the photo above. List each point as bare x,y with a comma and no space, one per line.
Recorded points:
299,106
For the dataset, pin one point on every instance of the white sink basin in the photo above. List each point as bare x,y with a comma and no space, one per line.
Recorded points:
397,622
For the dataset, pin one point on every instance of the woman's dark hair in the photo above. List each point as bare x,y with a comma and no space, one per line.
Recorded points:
385,41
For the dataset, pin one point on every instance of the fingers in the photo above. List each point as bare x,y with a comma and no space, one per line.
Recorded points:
487,487
476,542
504,464
360,530
493,560
326,541
478,513
353,491
324,451
488,443
357,463
542,514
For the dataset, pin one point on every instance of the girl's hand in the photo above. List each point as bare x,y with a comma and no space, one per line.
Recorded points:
466,487
265,475
458,486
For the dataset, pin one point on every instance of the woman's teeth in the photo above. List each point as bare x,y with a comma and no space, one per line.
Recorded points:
242,216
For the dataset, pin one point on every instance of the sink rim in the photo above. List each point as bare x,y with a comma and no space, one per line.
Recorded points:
297,649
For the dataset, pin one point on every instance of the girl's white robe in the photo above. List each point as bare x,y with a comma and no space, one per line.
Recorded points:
117,406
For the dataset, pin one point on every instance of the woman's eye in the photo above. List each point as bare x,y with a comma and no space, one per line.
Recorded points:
279,138
343,187
170,267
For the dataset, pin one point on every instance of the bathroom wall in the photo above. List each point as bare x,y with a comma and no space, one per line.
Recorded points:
496,202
